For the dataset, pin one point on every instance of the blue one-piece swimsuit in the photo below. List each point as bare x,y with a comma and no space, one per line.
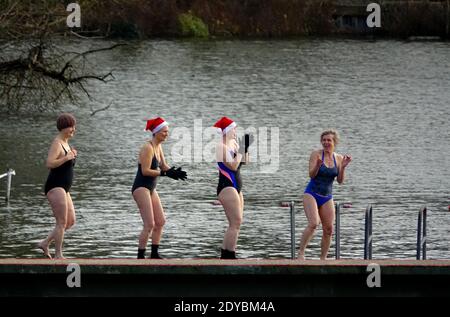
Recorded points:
321,186
228,177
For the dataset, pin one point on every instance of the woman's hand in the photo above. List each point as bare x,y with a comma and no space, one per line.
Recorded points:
315,162
244,143
175,174
319,161
71,155
346,160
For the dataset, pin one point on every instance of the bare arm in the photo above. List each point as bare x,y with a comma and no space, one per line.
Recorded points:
246,158
225,158
145,158
341,175
315,162
163,166
56,156
343,162
241,148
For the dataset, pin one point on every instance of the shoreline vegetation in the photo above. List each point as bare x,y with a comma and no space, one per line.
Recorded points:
37,74
131,19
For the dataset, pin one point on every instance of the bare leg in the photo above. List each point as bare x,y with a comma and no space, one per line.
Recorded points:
44,244
58,201
71,218
144,202
312,214
231,202
327,215
160,218
241,197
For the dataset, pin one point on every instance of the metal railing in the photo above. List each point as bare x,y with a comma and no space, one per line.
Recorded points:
292,210
338,231
368,234
8,175
422,234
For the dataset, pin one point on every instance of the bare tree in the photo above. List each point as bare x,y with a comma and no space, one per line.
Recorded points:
39,80
35,72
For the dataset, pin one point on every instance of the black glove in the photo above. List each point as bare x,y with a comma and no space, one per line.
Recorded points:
245,142
175,174
180,174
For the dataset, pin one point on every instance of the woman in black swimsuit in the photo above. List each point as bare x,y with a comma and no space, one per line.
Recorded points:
60,161
144,191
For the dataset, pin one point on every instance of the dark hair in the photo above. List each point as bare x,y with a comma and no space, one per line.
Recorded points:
65,120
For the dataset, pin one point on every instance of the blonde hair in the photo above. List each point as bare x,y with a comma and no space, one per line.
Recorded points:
334,133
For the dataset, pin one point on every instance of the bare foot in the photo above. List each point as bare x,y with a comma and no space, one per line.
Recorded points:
44,247
301,258
59,258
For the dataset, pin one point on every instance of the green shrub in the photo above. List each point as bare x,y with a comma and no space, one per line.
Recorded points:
192,25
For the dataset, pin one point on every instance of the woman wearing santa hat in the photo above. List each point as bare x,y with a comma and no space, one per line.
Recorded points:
324,166
151,156
229,161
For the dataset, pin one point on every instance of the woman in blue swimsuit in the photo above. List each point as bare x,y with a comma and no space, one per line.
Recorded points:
324,167
229,161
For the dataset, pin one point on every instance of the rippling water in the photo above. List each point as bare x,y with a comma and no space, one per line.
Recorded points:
388,99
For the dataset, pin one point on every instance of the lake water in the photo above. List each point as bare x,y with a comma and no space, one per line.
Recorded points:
388,99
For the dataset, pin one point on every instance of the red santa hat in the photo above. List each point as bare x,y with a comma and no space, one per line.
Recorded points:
225,124
156,124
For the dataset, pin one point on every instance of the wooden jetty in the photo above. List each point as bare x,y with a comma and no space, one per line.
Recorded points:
223,278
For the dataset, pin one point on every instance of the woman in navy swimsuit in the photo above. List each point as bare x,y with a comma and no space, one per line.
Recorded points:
229,162
60,161
324,167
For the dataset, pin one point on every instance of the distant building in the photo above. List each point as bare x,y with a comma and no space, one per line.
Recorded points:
351,15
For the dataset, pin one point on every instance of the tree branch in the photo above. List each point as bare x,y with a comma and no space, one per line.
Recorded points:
47,78
102,109
84,54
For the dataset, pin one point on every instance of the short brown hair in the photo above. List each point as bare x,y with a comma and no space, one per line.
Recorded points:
334,133
65,120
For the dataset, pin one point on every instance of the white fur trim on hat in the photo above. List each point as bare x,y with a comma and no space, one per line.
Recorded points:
227,129
160,126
